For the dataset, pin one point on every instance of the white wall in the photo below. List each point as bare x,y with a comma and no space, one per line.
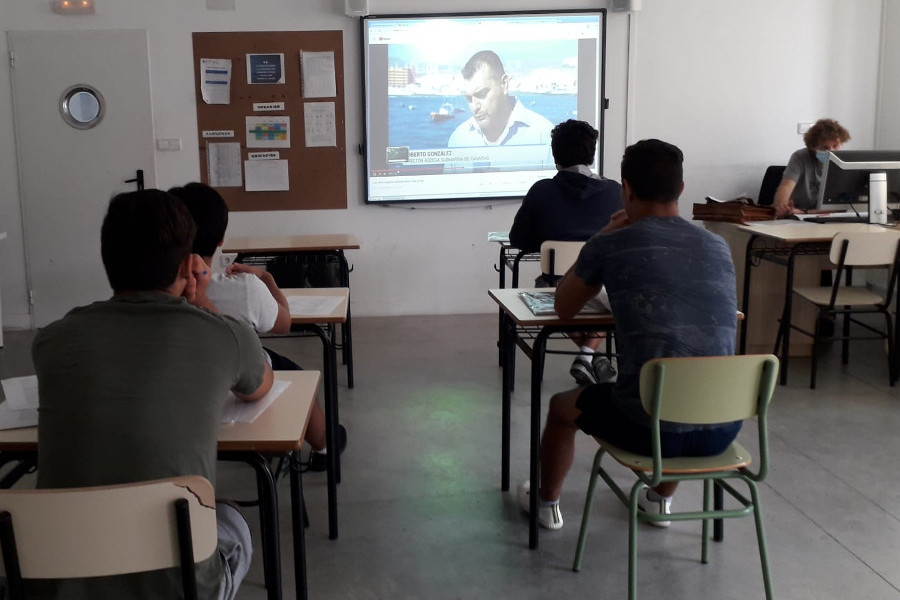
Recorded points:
726,80
887,136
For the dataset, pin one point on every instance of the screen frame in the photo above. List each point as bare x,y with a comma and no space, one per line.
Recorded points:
602,100
846,167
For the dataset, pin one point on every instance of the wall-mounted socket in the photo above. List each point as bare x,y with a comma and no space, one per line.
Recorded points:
168,144
803,126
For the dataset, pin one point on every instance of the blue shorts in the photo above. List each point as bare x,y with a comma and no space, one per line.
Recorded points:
600,416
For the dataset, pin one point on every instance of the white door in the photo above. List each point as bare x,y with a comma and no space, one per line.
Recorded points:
68,171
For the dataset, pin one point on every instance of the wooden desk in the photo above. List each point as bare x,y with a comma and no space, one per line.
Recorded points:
311,322
516,315
782,242
292,245
278,431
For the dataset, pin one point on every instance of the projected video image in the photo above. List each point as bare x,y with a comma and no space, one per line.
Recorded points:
462,106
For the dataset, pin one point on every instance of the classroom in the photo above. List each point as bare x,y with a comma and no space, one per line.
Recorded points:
732,84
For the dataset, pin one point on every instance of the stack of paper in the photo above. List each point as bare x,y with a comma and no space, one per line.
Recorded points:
20,407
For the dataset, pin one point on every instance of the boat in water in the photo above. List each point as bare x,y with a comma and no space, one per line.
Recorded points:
444,113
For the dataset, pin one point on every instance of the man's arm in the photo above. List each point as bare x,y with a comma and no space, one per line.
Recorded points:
572,293
783,193
283,318
262,390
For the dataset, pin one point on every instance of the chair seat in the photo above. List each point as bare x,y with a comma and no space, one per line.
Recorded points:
847,296
734,457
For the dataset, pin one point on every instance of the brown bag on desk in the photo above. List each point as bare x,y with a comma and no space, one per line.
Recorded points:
739,210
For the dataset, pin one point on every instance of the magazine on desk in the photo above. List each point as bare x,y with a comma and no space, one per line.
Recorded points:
541,304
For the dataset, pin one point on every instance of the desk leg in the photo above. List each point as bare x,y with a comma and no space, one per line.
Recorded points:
501,268
346,335
297,521
718,504
745,295
508,348
786,314
347,346
329,361
537,368
268,518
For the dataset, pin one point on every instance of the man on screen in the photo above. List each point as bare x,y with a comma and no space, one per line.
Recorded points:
497,118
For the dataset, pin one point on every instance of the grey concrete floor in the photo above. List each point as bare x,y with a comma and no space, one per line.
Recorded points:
422,514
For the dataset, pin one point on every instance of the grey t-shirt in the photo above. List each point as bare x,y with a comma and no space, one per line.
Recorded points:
671,287
806,171
132,389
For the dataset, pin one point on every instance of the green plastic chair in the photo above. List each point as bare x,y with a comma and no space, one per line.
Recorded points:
697,390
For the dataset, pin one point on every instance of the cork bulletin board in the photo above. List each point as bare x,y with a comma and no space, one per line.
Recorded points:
277,143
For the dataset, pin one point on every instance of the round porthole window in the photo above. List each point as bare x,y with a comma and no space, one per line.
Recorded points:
82,106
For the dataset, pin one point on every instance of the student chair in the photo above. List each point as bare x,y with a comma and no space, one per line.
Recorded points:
852,252
696,390
557,257
771,181
107,530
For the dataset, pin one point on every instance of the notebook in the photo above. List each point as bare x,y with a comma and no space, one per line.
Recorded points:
541,304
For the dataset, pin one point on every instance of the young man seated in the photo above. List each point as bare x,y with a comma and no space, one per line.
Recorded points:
250,294
132,388
672,289
574,205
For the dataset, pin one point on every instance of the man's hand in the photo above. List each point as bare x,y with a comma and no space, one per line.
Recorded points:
242,268
618,220
197,282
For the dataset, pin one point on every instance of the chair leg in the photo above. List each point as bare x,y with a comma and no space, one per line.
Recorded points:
632,539
815,353
586,513
761,540
845,345
704,547
889,337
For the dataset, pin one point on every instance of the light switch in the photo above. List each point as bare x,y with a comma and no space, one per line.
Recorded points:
168,144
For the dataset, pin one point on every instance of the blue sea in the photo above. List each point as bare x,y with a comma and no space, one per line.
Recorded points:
410,124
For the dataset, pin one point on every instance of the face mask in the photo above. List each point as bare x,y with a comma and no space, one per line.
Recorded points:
822,156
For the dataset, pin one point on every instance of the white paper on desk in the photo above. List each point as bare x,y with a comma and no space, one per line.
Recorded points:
224,164
21,392
15,419
319,122
266,175
238,411
314,306
317,74
215,80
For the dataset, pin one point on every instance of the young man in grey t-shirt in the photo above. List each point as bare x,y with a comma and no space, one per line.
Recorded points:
671,287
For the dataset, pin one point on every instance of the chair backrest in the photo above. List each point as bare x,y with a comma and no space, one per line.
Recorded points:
107,530
557,257
771,181
865,248
708,389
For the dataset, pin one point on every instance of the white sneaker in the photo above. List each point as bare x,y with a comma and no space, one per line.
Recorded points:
661,506
549,516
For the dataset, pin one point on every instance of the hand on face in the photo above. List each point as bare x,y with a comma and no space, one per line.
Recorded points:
618,220
196,280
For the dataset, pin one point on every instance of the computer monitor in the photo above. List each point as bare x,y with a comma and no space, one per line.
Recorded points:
861,180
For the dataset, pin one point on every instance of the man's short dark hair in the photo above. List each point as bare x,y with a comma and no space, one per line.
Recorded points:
144,239
654,170
210,214
573,143
481,58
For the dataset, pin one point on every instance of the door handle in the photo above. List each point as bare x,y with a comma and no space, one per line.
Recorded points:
138,179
